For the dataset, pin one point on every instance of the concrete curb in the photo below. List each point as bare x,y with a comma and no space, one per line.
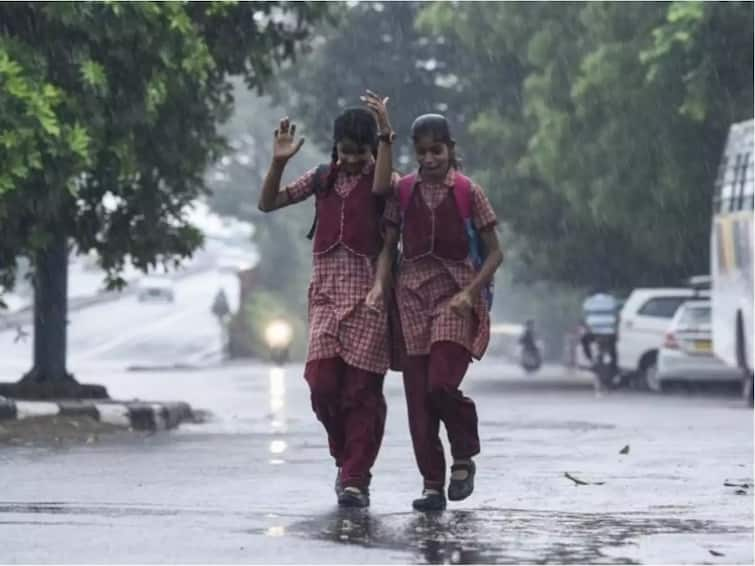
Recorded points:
138,415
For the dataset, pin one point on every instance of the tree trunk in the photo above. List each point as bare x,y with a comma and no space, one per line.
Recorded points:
50,312
48,378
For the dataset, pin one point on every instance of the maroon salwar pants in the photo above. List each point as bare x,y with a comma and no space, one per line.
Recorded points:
349,402
432,391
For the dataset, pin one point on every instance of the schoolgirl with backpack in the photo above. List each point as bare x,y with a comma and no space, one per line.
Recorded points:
348,345
449,252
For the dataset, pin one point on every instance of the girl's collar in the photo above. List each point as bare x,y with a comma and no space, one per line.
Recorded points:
366,170
448,181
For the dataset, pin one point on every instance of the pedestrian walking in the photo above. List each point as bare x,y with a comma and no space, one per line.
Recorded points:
450,253
348,351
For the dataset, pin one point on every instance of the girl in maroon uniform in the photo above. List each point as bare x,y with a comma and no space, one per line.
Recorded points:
441,296
348,341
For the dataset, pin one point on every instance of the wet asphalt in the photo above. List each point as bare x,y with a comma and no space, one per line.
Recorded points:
254,483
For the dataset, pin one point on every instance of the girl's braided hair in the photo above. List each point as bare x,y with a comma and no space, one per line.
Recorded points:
355,124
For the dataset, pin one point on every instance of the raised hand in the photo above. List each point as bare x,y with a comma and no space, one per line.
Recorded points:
285,145
378,106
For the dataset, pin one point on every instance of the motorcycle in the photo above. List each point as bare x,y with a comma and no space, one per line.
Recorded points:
530,358
278,335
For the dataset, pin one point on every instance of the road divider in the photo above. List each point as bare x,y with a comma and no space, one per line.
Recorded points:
137,415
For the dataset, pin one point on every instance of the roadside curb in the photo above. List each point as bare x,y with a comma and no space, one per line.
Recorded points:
138,415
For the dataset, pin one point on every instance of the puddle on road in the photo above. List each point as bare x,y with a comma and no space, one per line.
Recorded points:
485,535
503,535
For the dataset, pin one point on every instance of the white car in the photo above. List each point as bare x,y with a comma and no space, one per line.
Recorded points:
156,289
643,323
687,351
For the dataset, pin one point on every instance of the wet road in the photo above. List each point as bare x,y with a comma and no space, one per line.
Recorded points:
126,332
254,484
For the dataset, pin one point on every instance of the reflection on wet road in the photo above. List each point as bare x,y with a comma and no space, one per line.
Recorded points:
500,536
484,535
254,484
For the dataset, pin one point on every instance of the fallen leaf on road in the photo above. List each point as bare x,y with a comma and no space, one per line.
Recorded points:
625,450
742,485
578,481
715,553
741,492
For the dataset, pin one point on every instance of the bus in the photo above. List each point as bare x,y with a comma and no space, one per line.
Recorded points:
732,255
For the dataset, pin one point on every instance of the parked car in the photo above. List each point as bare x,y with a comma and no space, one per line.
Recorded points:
643,323
156,289
687,351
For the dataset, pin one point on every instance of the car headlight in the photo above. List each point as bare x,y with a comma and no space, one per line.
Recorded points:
278,334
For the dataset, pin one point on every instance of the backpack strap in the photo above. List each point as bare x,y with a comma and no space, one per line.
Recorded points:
319,181
405,189
463,195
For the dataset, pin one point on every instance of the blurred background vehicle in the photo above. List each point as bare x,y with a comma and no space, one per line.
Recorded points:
644,320
156,289
279,335
687,351
731,255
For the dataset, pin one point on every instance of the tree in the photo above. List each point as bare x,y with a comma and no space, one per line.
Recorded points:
372,45
108,120
612,132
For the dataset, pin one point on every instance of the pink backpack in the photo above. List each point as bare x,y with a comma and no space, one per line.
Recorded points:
463,196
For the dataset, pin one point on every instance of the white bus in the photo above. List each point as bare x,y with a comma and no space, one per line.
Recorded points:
732,254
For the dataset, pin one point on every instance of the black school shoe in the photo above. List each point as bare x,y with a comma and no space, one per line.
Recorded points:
354,497
461,489
431,500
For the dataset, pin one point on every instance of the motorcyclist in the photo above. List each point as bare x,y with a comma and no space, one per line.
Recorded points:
600,320
220,307
528,339
528,342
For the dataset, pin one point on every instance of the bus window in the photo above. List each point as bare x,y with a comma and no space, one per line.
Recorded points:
730,182
720,177
741,180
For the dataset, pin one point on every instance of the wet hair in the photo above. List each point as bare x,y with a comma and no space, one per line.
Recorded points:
436,126
355,124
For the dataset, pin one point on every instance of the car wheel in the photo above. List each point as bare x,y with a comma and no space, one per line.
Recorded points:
649,364
652,381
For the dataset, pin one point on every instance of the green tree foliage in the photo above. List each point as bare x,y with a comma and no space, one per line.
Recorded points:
371,45
122,100
108,122
611,122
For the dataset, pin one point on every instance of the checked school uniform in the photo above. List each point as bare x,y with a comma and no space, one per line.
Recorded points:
439,344
348,351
